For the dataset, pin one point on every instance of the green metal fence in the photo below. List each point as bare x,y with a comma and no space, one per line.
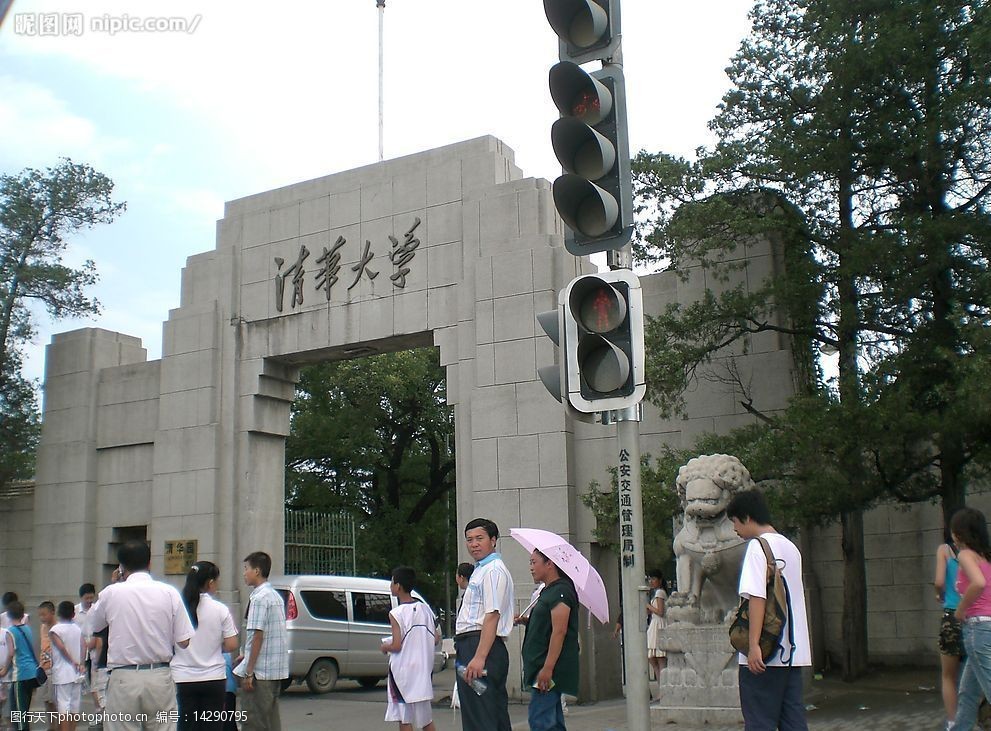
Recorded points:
319,543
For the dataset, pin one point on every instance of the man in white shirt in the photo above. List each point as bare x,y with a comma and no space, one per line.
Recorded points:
771,690
485,619
146,619
96,677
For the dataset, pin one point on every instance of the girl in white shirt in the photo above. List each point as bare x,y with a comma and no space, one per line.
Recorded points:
198,670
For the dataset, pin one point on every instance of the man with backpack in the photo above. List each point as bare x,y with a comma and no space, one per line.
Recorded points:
771,684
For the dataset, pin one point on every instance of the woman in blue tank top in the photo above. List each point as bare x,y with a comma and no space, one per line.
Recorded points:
951,652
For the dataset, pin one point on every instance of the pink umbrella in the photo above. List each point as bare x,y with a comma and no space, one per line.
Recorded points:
588,583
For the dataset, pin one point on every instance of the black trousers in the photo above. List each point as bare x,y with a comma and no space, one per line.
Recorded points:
230,705
200,705
489,711
20,700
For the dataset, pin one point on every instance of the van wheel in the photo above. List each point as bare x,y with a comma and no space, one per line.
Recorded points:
322,676
369,682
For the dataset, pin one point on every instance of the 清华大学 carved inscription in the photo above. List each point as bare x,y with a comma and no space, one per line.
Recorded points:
329,266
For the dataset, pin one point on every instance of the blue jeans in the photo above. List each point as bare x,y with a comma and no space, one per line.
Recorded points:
772,700
545,712
975,680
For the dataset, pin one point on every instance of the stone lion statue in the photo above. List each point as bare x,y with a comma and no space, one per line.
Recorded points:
707,550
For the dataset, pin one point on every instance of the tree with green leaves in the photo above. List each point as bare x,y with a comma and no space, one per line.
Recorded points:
20,424
855,138
374,437
39,212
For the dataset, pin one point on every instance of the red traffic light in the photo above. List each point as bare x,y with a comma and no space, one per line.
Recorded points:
598,306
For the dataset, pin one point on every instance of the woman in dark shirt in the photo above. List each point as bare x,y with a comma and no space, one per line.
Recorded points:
550,647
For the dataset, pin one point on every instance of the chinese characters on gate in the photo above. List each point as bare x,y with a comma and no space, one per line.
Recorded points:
328,266
628,550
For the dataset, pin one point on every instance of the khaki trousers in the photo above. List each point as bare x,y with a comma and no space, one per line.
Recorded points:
139,700
261,706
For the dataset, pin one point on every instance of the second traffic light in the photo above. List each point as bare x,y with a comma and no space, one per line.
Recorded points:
604,340
588,30
594,195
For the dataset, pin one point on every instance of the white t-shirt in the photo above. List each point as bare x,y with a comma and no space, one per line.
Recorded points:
753,582
83,622
63,670
203,659
3,646
412,665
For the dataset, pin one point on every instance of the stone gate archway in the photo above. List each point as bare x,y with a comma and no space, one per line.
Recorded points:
451,247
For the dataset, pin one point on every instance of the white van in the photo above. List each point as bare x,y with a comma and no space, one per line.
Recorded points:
336,625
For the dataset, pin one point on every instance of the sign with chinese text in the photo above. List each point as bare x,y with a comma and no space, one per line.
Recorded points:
628,551
180,555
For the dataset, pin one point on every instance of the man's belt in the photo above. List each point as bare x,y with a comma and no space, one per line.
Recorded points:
475,633
142,666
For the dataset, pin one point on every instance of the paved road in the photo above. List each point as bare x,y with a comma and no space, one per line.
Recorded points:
893,701
890,701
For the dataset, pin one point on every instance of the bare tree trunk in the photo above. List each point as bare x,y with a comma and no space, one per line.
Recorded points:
813,591
854,596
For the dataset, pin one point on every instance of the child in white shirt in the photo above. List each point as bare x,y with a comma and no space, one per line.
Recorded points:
68,653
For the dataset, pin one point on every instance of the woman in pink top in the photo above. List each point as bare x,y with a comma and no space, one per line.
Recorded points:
970,534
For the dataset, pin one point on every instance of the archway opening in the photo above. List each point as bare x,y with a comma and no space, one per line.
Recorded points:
371,444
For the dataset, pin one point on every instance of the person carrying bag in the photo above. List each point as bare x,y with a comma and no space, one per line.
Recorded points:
22,668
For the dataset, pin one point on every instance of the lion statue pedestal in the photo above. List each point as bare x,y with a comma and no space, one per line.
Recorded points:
700,683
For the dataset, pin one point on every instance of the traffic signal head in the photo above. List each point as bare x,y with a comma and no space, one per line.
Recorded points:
603,339
594,195
554,377
588,30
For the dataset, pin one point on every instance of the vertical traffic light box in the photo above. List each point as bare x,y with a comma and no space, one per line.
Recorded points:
594,194
604,341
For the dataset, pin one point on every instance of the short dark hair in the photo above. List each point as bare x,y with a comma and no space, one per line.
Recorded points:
261,561
47,605
9,597
405,577
66,610
16,610
656,574
87,589
491,528
465,570
134,556
749,504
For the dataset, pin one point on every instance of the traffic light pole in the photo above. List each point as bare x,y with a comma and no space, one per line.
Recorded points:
632,570
594,197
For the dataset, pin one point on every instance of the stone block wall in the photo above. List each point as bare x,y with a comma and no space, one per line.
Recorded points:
902,611
16,538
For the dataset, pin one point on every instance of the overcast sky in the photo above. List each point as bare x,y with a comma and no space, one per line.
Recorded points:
259,95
